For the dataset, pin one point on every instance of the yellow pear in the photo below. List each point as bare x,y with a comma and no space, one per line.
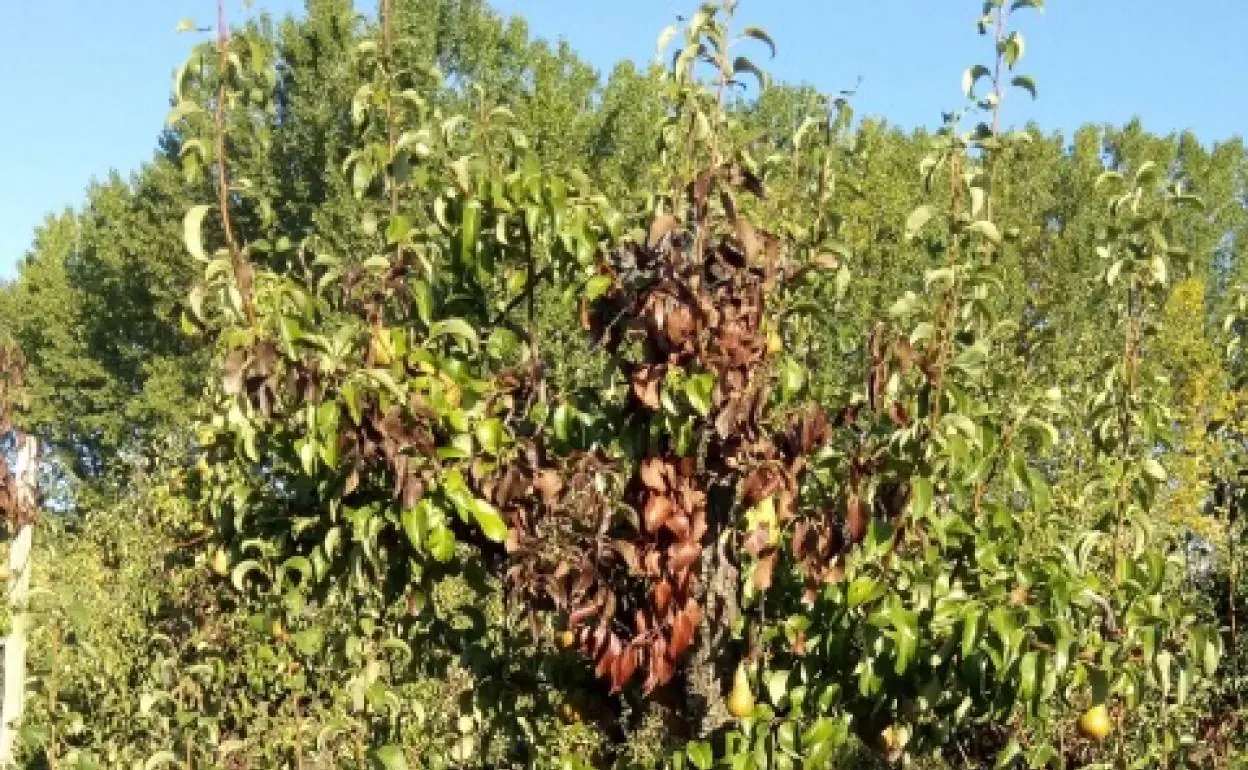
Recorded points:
278,630
221,562
382,347
1094,724
774,343
565,639
570,714
893,740
740,700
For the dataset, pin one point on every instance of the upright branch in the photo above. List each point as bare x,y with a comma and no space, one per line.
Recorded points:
242,268
387,46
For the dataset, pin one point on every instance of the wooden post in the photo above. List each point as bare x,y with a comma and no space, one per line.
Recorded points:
14,699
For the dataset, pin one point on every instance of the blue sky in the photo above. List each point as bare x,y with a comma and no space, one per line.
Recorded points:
84,84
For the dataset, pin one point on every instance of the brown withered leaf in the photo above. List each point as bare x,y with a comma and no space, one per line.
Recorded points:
640,622
847,415
653,563
814,430
678,525
756,540
654,672
622,671
760,484
608,656
263,356
352,482
661,226
628,553
748,238
803,540
679,325
682,555
827,261
413,490
658,509
586,321
548,485
682,634
662,597
582,614
855,518
798,645
898,414
653,472
232,371
647,381
763,571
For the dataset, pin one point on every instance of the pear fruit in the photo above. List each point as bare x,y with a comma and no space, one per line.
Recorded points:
221,563
565,639
1094,724
740,700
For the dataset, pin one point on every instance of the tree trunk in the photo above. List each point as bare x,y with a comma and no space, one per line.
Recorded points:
19,591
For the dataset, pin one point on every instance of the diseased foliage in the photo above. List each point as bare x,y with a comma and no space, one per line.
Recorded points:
479,412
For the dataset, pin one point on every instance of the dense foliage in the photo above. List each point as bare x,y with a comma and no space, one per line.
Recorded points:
429,401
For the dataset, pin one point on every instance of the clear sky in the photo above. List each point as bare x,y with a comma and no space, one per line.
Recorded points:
84,84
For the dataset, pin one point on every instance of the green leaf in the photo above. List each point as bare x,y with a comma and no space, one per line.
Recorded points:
1154,470
455,327
1008,754
359,103
1025,82
1163,663
361,176
160,759
920,497
390,757
842,281
1042,756
700,755
761,35
987,229
180,111
490,434
470,227
240,571
1146,175
1210,655
743,65
1014,49
971,77
192,231
441,543
309,641
777,686
415,522
863,589
970,630
597,286
916,220
699,389
906,624
490,520
792,379
398,228
665,37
